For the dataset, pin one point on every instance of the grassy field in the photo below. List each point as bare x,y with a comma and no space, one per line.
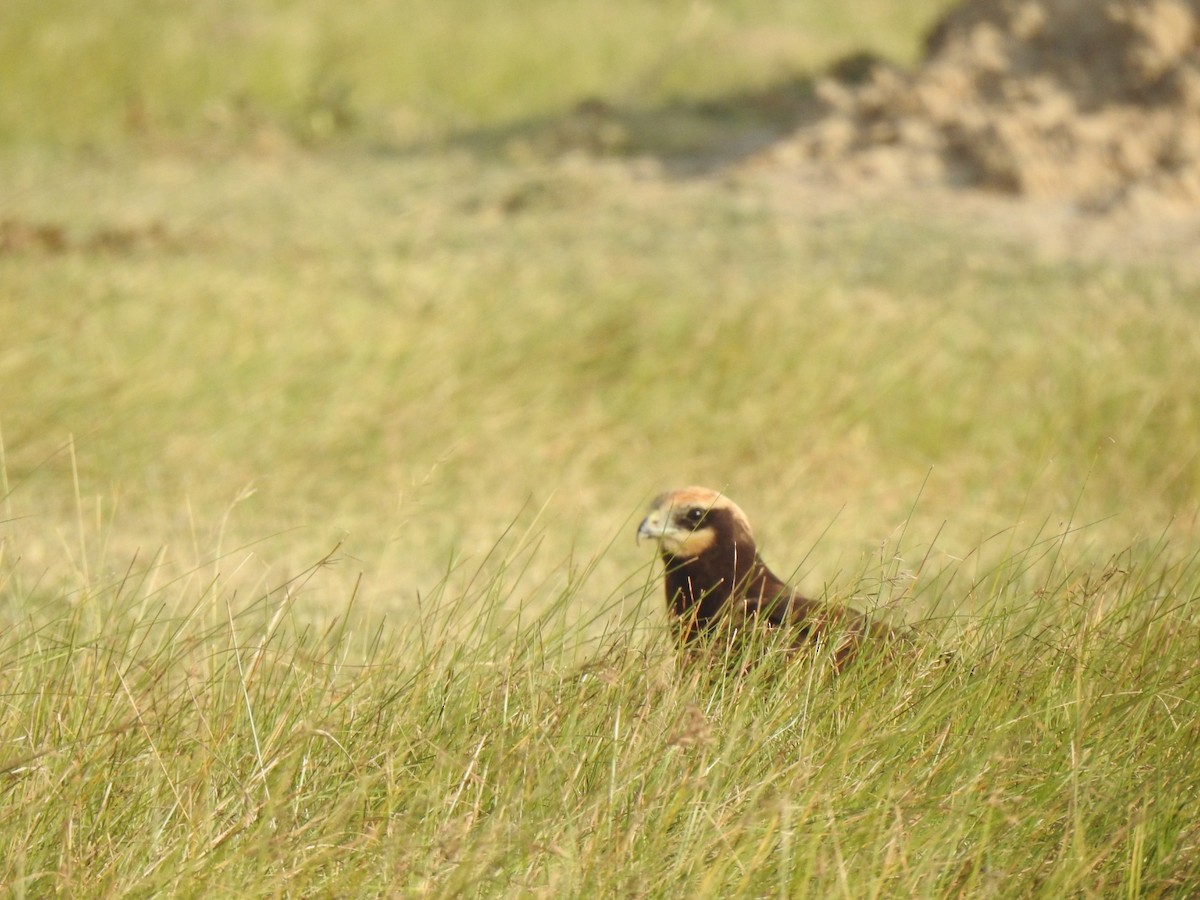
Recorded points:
78,74
334,378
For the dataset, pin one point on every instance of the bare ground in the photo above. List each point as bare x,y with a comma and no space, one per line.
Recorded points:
1073,125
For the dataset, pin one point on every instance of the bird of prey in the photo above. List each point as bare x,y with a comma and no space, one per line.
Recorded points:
715,578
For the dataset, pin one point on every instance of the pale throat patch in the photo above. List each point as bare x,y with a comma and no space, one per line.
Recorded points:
677,538
688,544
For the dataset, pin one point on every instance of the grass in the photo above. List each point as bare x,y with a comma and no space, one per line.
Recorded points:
322,448
399,72
173,739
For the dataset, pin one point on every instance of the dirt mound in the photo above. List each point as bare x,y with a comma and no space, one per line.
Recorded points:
1093,101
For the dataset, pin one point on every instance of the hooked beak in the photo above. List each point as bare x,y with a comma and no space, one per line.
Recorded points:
652,527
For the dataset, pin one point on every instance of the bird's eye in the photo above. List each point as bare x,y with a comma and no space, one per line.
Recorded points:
695,516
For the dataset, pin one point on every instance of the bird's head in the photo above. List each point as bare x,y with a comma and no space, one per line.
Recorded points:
688,522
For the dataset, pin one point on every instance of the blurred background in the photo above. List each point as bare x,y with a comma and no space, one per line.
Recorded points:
460,284
80,73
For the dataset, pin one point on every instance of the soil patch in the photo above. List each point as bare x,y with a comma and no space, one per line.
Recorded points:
1092,102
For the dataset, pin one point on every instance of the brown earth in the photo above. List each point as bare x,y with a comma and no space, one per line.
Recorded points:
1091,102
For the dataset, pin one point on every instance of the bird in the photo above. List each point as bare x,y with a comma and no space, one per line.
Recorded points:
715,578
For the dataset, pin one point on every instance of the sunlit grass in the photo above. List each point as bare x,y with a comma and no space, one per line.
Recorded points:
86,74
391,355
338,365
180,738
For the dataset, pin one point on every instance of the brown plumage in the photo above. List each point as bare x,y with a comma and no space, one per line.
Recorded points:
714,576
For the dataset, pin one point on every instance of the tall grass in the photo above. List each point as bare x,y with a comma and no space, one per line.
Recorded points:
287,352
320,461
182,739
88,74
